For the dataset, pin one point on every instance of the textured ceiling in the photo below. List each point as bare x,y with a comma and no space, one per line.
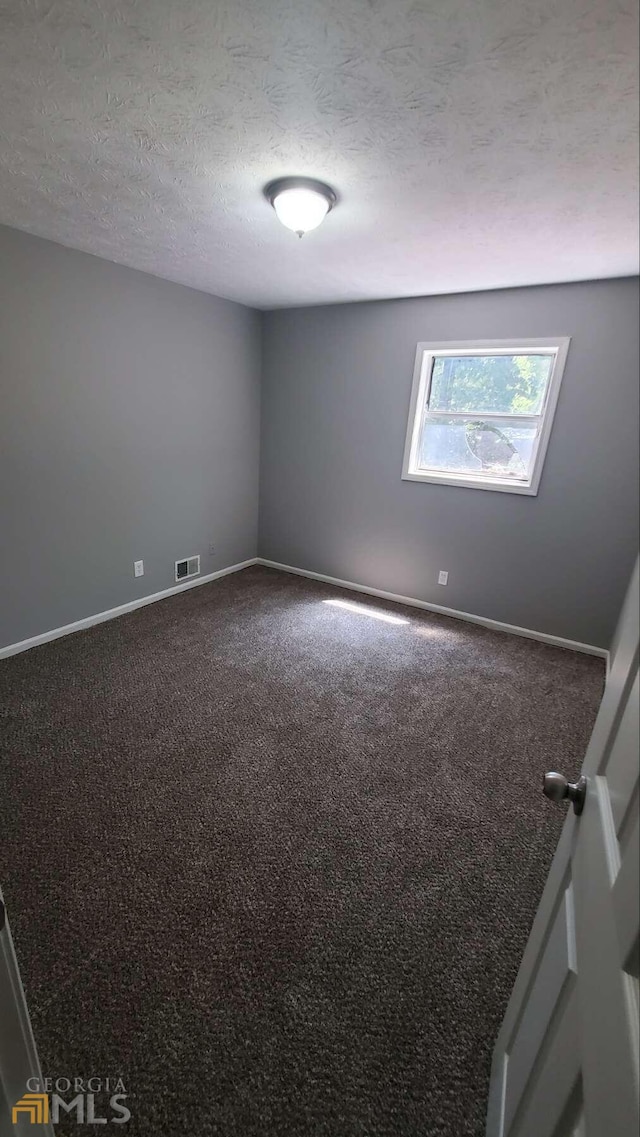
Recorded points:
473,143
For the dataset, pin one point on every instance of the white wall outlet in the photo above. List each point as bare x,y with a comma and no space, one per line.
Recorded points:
212,550
443,577
138,568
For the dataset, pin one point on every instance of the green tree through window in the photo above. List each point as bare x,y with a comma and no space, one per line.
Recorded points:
500,384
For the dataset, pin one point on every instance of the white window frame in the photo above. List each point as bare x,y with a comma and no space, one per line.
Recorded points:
427,353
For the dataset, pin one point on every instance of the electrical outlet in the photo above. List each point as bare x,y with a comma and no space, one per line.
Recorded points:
212,550
443,577
138,568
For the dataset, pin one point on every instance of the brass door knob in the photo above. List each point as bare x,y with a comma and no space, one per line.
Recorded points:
556,787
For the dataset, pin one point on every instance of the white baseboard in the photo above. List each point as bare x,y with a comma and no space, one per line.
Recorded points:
496,625
111,613
131,605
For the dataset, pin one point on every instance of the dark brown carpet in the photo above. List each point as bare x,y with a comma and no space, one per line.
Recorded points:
274,862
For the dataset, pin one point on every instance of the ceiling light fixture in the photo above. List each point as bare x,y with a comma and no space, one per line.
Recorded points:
300,203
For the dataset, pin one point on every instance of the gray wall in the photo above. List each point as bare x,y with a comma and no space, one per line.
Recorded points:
336,386
129,429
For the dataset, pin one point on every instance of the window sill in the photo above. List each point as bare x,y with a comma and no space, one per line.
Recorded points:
474,483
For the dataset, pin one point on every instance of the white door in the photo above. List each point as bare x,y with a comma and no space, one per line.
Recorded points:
566,1059
18,1058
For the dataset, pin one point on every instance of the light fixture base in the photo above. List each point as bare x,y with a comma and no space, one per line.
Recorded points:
272,190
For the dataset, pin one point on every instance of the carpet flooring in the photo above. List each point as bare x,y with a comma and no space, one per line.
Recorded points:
273,861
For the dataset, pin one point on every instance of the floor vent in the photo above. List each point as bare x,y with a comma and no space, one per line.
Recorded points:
189,567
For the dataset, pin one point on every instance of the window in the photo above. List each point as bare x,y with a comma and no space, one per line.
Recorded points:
481,413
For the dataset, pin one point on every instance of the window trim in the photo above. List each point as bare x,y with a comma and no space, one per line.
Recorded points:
422,374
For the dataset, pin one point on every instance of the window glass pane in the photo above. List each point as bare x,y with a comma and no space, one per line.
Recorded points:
503,384
500,448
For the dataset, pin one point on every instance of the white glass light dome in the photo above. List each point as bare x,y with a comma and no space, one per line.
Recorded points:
300,203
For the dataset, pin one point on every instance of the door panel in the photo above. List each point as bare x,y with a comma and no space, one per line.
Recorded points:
551,1089
566,1059
556,972
626,887
608,1059
622,776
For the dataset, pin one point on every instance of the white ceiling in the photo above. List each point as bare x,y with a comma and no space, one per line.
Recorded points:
473,143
